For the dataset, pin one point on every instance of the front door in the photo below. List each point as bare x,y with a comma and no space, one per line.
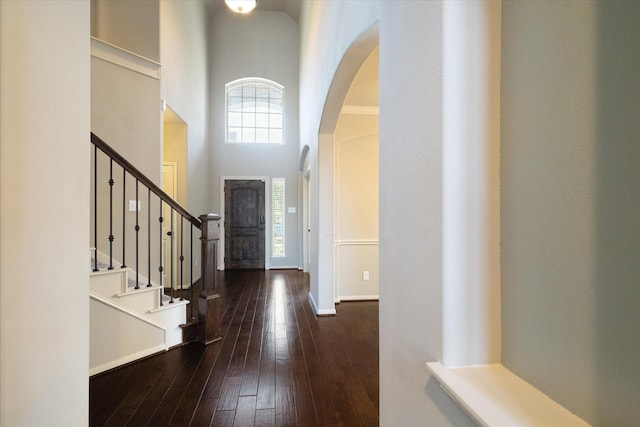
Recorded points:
244,224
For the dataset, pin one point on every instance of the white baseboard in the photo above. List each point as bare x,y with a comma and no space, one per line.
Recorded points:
325,312
283,267
359,298
127,359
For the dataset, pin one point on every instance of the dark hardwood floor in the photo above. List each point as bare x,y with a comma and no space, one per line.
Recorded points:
277,365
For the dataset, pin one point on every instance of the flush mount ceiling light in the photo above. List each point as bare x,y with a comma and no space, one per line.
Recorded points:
241,6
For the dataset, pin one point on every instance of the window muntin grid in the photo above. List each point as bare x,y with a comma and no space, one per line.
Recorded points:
255,111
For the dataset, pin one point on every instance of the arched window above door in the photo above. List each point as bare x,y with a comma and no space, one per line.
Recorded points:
255,111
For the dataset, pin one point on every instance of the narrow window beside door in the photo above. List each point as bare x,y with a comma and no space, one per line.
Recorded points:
277,215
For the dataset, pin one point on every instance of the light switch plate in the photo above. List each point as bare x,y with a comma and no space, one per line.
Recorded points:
133,207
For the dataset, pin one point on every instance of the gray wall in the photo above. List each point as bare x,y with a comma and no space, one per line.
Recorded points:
133,25
262,44
570,203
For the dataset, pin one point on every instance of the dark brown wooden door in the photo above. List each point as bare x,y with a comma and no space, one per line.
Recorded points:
244,224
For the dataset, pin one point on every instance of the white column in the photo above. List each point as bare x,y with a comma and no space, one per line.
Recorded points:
471,186
325,210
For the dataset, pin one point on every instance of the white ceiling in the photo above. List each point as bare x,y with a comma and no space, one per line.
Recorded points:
292,7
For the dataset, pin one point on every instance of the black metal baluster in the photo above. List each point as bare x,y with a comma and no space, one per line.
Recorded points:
181,257
124,216
111,182
149,237
137,228
161,269
95,208
171,257
191,273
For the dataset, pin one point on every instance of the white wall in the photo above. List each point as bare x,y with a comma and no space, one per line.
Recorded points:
471,184
125,89
44,205
126,114
570,204
261,44
410,36
357,178
174,139
322,52
356,187
356,159
126,102
184,87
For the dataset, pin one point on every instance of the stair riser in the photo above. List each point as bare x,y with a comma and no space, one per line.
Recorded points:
120,325
171,319
108,284
117,337
139,302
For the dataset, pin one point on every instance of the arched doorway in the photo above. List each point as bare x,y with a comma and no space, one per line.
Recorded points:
356,171
326,237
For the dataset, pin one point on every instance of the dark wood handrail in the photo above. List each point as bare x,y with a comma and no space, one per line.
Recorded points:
133,171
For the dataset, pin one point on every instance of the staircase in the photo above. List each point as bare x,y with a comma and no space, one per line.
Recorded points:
127,323
133,316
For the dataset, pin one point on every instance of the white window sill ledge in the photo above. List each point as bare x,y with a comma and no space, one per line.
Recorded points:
494,396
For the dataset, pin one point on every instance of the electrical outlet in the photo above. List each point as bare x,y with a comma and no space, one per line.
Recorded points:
365,275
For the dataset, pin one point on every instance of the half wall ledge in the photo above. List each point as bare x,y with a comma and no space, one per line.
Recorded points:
495,397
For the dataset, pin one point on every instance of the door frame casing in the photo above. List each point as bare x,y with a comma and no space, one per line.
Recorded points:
175,233
267,216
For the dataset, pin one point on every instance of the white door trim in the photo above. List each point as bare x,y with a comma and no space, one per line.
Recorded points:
175,233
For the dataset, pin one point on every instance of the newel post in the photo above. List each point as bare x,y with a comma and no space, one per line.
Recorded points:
209,300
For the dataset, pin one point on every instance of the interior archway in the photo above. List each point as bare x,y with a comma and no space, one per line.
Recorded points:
327,240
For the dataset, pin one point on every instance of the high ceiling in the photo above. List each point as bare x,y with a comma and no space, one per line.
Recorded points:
292,7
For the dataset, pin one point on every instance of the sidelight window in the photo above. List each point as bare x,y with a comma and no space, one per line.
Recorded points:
277,216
